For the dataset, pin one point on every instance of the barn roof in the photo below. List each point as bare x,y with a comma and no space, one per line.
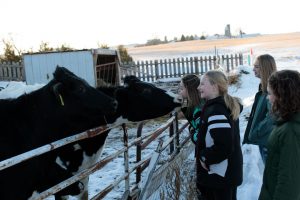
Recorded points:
94,51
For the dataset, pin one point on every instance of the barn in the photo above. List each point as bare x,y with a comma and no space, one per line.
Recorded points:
97,66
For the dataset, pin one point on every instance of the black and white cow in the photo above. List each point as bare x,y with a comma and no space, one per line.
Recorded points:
137,101
65,106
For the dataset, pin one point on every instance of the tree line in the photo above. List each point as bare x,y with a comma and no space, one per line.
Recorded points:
183,38
14,54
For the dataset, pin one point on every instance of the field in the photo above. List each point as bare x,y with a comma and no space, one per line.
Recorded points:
261,43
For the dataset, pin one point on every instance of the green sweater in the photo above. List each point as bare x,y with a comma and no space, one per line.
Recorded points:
281,179
260,123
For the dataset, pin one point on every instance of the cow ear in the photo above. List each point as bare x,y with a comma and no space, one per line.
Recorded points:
59,72
129,80
62,73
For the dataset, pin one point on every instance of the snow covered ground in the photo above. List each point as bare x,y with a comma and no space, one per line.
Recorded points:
253,167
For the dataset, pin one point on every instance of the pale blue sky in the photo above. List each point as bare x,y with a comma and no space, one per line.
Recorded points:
84,24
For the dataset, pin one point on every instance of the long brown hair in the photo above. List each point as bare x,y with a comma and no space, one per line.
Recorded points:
191,82
233,103
285,85
267,67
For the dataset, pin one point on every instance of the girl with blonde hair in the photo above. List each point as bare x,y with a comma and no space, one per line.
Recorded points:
218,157
260,123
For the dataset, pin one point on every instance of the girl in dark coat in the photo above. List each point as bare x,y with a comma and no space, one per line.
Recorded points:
219,156
260,123
281,175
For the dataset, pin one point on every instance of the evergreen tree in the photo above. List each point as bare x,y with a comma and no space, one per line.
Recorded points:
182,38
202,37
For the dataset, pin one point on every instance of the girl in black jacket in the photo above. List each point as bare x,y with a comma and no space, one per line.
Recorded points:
218,156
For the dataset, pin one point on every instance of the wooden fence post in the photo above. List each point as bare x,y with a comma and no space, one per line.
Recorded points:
151,71
241,59
215,62
161,69
192,65
183,66
210,62
187,65
168,66
236,60
231,58
178,67
201,63
174,68
143,70
205,63
227,63
196,65
138,69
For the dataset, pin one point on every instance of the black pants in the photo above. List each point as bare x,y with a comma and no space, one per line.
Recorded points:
208,193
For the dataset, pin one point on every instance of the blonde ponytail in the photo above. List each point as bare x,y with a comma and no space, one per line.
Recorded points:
233,103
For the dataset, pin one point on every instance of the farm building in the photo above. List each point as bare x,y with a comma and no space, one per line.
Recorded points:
96,66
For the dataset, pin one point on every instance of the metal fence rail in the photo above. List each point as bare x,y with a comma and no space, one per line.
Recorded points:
142,141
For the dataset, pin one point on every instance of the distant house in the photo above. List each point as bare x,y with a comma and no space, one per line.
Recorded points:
227,31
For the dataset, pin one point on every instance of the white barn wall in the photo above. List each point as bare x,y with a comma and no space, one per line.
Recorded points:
38,66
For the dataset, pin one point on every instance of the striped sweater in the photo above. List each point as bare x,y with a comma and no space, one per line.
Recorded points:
218,146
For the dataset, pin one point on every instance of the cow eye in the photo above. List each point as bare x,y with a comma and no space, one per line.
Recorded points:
81,89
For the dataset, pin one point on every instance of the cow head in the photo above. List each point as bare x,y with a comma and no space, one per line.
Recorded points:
75,93
140,100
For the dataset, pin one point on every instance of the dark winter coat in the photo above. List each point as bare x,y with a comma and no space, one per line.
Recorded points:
219,147
260,122
282,171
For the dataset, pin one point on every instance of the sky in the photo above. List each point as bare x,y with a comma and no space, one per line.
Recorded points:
252,164
87,24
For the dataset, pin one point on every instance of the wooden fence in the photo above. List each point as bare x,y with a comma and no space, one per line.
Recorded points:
154,70
12,71
150,71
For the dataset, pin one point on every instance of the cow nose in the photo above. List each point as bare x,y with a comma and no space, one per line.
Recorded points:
178,99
